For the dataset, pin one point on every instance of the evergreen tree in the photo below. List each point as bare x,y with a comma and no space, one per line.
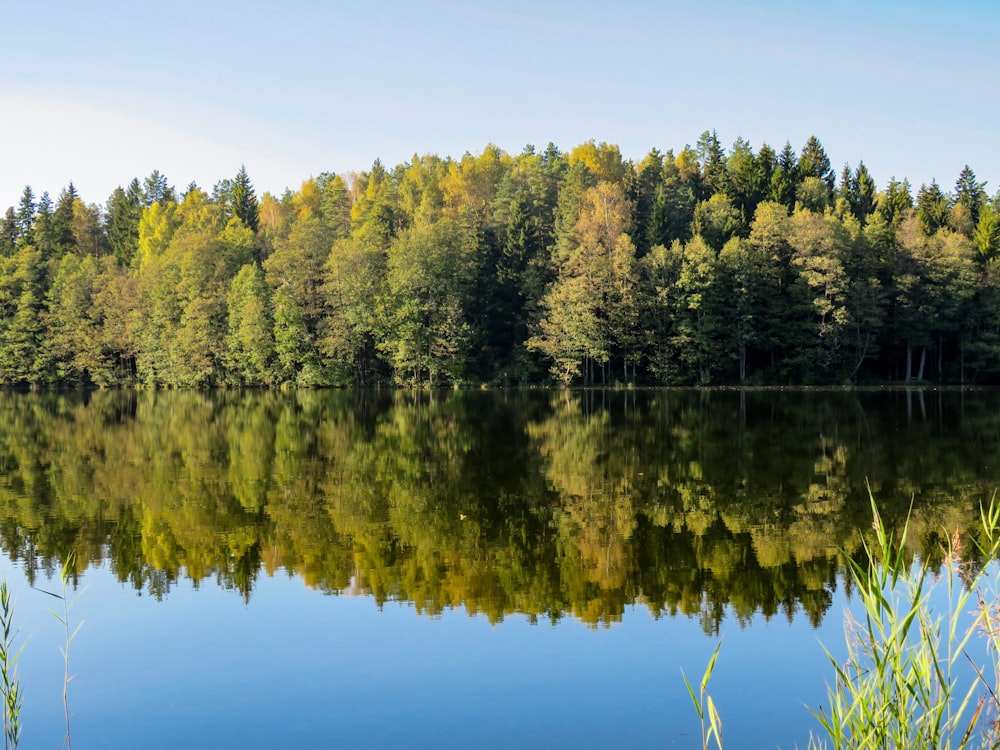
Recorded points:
155,188
932,207
26,209
986,237
712,160
813,162
895,201
8,233
62,221
748,178
243,201
970,193
861,195
121,221
785,178
44,234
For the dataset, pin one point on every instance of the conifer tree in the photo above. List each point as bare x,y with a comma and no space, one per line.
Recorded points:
243,201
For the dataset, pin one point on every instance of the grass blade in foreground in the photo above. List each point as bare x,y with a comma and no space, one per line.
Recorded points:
899,685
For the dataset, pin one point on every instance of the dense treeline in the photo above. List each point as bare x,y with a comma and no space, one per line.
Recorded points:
549,505
702,266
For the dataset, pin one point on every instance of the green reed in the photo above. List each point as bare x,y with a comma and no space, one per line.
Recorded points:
900,684
704,706
10,685
62,615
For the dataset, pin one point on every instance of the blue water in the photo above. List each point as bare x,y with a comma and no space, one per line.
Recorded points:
298,668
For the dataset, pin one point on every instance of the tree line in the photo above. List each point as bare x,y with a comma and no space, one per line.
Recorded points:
704,266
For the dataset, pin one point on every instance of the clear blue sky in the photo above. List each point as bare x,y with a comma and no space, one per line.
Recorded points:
99,92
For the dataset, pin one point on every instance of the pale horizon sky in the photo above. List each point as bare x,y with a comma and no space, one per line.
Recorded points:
101,92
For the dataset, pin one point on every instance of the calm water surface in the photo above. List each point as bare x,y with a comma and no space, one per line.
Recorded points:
325,569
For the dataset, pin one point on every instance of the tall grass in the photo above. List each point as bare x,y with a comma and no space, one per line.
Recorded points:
907,680
10,685
62,615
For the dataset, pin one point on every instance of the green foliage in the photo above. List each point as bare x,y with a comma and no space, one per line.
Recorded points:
10,682
704,706
932,208
67,575
250,339
898,686
530,293
426,305
813,162
243,201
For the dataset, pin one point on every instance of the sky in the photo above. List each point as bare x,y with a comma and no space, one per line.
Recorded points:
100,92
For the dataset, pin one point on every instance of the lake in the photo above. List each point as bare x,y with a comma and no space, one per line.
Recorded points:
453,569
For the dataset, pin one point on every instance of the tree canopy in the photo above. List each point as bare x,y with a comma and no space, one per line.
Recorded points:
703,265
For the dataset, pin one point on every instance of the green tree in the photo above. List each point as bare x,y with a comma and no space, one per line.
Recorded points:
430,273
250,337
970,194
121,221
932,207
353,276
8,233
743,280
599,263
716,220
818,243
155,188
895,201
986,237
243,201
748,177
22,296
813,162
72,329
712,160
294,348
64,241
674,204
335,205
785,178
696,338
297,266
860,193
26,209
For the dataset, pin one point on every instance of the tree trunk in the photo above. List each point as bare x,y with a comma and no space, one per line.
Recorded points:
923,361
909,362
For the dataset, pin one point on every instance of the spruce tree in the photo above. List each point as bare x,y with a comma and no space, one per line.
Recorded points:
243,202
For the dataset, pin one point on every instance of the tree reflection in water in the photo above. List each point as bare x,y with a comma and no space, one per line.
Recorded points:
549,504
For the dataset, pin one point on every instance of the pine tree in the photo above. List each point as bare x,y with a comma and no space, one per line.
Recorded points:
785,178
121,221
26,209
155,188
243,202
814,162
8,233
970,193
932,207
62,221
862,193
712,159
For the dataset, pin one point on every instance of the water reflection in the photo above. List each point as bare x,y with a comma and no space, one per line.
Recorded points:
547,504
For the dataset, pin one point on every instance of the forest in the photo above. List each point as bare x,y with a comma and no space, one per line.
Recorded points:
706,266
